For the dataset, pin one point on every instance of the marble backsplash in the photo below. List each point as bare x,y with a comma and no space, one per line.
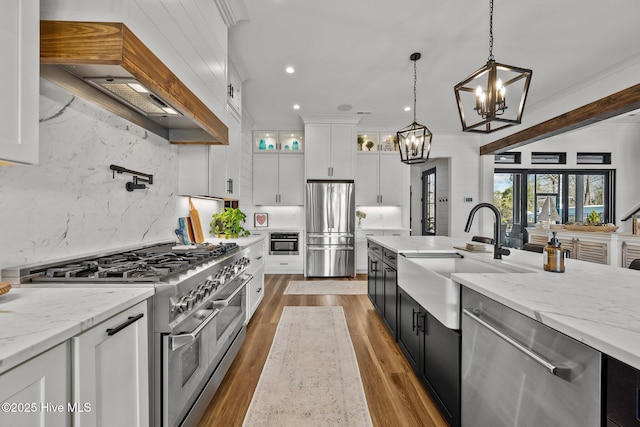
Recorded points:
71,204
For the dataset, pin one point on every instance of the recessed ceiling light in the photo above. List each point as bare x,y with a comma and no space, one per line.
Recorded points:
290,70
407,108
296,107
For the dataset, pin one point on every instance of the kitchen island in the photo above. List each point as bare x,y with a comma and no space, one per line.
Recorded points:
592,303
464,319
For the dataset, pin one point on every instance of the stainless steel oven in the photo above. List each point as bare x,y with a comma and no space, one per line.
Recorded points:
282,243
197,346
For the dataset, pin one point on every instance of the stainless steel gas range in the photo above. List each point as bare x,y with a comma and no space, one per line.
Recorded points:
198,314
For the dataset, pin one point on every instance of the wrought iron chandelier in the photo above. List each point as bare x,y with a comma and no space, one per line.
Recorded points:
414,140
485,92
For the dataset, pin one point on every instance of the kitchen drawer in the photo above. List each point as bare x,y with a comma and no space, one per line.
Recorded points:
374,250
390,257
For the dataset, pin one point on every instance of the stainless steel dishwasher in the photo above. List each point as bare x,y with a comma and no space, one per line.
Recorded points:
519,372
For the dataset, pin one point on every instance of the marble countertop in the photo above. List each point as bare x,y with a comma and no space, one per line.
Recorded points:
596,304
34,320
241,241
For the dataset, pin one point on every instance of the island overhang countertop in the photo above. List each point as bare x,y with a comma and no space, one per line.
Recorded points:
596,304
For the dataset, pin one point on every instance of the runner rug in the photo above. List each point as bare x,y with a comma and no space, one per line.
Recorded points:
311,375
326,287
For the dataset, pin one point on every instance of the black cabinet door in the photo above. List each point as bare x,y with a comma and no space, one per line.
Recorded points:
623,394
408,331
390,286
440,367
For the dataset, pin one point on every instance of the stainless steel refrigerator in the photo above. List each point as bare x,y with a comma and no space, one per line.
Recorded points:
330,243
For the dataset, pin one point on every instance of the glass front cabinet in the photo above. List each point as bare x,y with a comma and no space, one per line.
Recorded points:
278,141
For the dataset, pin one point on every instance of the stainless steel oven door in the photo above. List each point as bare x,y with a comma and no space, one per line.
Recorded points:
192,352
185,363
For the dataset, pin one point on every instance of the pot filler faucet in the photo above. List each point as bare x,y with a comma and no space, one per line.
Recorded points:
498,250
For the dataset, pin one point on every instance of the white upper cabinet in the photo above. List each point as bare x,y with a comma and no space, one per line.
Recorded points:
330,152
278,179
19,77
234,90
212,170
380,175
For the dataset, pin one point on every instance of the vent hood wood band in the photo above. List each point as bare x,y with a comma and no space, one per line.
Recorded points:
87,58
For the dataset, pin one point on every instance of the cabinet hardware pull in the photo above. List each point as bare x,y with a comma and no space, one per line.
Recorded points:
129,321
413,319
564,372
258,290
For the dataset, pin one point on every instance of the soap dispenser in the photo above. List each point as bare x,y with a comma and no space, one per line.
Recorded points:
554,255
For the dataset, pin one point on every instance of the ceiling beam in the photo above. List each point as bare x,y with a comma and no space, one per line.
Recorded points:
613,105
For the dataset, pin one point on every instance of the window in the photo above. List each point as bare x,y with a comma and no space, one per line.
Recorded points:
508,158
593,158
549,158
521,194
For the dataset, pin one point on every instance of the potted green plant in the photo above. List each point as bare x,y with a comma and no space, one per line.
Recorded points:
228,223
369,145
360,142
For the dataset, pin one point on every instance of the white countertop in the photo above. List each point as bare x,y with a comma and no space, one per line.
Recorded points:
33,320
596,304
241,241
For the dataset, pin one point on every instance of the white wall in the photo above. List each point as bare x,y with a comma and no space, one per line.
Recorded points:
461,176
70,204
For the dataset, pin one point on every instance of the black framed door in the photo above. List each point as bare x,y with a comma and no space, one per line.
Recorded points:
429,202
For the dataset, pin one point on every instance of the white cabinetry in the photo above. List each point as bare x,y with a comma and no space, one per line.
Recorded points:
37,392
330,151
278,179
379,179
234,90
19,76
255,290
211,170
224,172
110,371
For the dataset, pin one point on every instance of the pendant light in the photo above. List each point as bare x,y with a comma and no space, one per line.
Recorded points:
413,138
483,95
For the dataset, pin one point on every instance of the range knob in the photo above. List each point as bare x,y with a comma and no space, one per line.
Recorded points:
182,305
195,296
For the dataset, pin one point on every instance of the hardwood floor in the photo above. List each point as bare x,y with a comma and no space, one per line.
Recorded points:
394,394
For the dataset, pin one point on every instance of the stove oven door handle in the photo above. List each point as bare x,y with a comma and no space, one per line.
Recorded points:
177,341
225,302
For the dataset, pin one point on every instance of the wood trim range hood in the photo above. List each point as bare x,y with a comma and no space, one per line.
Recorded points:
72,53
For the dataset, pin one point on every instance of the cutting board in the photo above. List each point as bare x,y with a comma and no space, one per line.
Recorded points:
4,287
195,221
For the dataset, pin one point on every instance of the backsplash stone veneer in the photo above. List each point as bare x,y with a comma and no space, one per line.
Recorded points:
70,204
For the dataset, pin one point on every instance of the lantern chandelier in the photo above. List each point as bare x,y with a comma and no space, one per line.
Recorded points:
485,92
413,138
